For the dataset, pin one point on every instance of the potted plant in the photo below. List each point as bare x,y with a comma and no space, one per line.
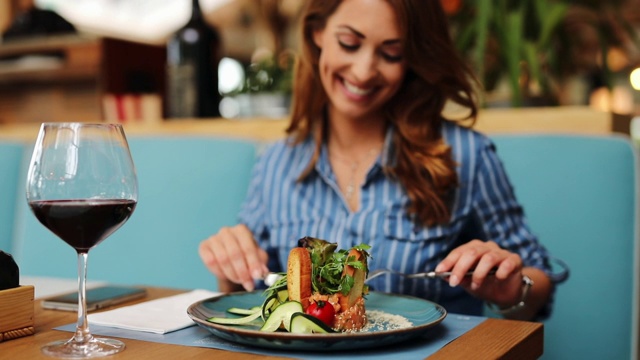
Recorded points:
266,89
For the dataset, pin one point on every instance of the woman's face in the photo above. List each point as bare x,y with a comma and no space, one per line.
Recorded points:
361,63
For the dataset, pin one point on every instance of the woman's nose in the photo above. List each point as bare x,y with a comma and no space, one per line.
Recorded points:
365,67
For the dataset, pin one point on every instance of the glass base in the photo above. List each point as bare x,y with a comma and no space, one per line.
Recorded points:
70,349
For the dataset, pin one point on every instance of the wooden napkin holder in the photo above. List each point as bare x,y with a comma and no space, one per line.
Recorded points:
16,312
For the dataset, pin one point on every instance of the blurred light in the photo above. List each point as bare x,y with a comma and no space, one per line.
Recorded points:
617,59
634,78
142,21
229,107
635,128
190,36
230,75
619,101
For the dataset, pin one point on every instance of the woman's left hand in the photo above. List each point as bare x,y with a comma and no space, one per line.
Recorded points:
503,289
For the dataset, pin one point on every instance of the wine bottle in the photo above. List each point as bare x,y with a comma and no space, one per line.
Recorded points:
193,55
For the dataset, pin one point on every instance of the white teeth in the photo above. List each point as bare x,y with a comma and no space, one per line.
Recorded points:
356,90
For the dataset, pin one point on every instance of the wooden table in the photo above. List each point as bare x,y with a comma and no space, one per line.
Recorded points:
492,339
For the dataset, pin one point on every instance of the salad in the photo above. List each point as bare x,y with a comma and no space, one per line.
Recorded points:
322,291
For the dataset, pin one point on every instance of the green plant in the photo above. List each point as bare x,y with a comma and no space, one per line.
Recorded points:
534,44
610,28
270,74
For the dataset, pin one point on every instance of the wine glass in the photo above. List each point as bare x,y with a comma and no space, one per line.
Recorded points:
82,186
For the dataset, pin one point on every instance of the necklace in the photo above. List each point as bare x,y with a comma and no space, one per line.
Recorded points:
354,165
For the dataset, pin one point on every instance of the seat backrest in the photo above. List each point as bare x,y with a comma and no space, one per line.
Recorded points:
188,188
10,164
580,196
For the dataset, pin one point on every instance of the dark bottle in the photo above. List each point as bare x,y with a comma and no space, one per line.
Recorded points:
193,55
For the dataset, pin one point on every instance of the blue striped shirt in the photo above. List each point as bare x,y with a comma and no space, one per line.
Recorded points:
280,210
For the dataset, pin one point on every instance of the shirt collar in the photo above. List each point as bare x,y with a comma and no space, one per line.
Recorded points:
306,154
322,165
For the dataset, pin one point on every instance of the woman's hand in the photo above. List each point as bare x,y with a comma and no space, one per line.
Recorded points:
234,257
503,289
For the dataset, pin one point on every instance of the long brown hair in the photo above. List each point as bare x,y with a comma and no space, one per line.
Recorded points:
435,74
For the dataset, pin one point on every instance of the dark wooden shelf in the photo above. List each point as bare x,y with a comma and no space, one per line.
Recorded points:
45,44
50,59
65,77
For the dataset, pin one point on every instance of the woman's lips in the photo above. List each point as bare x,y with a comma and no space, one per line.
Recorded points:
356,92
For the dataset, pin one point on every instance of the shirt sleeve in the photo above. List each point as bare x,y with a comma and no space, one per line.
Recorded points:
252,211
502,217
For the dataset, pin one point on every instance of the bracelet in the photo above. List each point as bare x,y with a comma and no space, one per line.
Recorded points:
527,283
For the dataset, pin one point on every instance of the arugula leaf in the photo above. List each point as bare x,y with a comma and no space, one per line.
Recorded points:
329,264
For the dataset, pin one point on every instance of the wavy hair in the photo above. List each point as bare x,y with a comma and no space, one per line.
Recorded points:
435,75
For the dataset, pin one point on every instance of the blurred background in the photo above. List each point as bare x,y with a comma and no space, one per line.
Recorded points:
120,60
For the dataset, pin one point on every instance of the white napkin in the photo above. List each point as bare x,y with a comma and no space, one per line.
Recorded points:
158,316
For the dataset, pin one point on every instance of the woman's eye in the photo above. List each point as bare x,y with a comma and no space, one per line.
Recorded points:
392,58
348,46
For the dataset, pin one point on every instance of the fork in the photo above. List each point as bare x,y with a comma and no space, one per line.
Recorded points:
420,275
271,278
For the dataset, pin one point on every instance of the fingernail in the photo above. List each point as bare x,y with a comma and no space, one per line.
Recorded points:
257,274
454,281
249,286
474,286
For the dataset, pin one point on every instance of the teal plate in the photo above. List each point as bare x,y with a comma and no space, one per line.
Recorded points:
421,313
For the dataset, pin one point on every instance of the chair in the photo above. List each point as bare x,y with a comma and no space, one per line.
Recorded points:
580,196
189,187
10,164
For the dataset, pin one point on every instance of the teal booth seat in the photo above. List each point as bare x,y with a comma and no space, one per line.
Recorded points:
189,187
11,154
580,196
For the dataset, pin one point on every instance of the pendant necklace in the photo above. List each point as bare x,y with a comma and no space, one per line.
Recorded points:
354,165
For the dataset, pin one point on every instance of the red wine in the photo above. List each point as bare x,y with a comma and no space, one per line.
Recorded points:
83,223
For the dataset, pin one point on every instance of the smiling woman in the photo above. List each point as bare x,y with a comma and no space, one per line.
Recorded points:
371,158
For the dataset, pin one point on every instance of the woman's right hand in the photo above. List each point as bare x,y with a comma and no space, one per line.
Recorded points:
234,257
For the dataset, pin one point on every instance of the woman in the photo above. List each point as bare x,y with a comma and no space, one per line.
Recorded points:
371,159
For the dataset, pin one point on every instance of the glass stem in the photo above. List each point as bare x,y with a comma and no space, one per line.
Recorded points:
83,335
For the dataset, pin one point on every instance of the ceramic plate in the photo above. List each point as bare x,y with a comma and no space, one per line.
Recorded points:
422,314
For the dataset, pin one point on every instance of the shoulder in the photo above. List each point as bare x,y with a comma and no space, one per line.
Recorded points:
465,141
284,153
286,147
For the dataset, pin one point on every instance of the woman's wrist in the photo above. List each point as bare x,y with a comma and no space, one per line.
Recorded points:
527,284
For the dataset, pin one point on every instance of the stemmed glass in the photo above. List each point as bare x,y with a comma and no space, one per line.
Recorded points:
82,186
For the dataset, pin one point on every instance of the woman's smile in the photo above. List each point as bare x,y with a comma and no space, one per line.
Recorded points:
356,92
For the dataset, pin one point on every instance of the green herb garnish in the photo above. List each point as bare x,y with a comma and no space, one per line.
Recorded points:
328,265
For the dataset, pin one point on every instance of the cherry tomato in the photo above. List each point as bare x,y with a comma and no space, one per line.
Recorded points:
323,311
